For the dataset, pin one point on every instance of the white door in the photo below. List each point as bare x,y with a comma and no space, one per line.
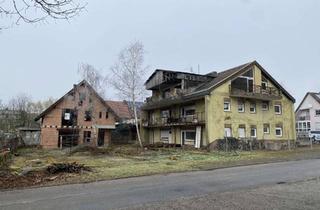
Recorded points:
227,132
242,133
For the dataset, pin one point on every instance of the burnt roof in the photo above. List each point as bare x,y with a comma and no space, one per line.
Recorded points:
213,82
83,82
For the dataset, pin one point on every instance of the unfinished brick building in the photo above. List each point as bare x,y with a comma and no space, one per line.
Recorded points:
79,117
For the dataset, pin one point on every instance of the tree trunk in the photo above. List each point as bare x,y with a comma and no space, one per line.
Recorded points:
136,122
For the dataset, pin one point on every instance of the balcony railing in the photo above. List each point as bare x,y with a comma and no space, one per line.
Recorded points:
256,92
177,93
196,119
303,118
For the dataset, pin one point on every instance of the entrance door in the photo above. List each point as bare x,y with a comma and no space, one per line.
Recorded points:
100,137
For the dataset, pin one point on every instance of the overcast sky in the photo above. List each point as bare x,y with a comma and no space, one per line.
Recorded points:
283,36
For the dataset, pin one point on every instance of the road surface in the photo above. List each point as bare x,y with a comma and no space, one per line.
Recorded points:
158,188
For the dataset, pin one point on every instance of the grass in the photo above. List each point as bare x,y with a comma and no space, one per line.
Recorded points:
126,161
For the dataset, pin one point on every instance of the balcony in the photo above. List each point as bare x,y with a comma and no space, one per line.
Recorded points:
303,118
256,92
196,119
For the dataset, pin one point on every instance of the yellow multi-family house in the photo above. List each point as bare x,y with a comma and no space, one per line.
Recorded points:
195,109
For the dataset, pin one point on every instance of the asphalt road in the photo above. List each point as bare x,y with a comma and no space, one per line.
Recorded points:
141,190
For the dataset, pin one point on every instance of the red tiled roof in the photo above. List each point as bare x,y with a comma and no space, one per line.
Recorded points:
120,108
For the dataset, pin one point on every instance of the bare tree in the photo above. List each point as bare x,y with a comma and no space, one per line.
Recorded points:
128,76
32,11
93,77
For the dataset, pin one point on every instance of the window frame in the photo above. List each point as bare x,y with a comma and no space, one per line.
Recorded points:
255,107
241,104
266,125
315,111
255,132
267,108
281,131
229,106
280,109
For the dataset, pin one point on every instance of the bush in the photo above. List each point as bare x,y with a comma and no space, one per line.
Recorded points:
5,158
228,144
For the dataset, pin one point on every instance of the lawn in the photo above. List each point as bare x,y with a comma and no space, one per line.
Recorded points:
127,161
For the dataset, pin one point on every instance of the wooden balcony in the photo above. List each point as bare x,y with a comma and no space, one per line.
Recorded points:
196,119
256,92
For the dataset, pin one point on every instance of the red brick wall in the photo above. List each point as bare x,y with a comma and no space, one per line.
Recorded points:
49,136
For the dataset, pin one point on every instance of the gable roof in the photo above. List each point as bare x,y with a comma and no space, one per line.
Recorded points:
121,109
83,82
314,95
232,73
222,77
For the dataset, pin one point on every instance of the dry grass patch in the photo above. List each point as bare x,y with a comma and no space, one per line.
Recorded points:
127,161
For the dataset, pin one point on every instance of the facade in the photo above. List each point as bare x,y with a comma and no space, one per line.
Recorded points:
79,117
193,109
308,114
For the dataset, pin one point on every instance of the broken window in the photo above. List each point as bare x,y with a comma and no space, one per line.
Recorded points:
264,83
107,114
244,82
266,128
100,115
265,105
69,117
86,136
87,115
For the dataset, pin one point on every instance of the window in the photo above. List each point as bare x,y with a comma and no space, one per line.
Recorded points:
264,83
241,106
279,131
317,112
227,105
87,116
186,111
252,107
100,115
303,126
69,117
107,114
86,136
277,109
265,105
266,128
253,132
242,131
188,137
227,131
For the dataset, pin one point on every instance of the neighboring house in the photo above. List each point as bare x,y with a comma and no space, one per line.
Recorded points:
81,116
308,114
194,109
125,131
